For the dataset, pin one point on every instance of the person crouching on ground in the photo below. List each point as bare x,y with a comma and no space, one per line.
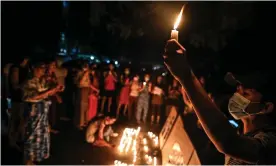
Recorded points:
95,132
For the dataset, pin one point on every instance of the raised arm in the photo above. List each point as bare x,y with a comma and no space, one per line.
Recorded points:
214,122
186,100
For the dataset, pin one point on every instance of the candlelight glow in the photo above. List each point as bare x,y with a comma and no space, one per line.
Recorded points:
132,143
144,141
154,161
178,19
156,141
146,148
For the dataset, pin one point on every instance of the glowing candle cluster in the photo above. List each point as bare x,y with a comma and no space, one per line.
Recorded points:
129,138
119,163
151,160
132,145
128,143
154,138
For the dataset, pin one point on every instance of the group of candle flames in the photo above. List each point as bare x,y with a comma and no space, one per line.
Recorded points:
132,140
131,136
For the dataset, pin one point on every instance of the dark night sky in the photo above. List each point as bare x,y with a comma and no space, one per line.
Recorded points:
26,24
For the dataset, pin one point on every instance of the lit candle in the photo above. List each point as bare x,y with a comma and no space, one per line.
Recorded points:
149,159
156,141
146,156
144,141
154,161
137,131
146,148
174,33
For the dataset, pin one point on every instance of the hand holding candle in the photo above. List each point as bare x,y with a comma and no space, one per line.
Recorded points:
174,33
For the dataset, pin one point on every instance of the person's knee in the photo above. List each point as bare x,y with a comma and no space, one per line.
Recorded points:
90,139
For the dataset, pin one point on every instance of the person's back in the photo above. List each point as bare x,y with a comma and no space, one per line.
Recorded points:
92,128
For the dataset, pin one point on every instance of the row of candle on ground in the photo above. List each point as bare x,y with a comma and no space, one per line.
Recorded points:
148,158
153,137
129,138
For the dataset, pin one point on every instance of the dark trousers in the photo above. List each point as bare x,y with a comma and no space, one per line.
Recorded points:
81,106
16,125
156,112
132,106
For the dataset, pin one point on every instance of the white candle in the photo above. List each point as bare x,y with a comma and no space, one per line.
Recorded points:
137,131
174,33
144,141
156,141
154,161
150,159
146,149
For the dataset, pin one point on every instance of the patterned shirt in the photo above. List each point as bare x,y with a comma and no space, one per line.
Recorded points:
32,88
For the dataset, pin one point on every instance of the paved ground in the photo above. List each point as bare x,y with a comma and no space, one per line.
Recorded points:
69,148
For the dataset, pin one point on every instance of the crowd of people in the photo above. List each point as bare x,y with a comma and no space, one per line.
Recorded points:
43,93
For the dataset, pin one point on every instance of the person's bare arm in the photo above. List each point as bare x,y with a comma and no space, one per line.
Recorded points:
141,87
94,88
101,130
115,76
213,121
83,78
41,95
186,99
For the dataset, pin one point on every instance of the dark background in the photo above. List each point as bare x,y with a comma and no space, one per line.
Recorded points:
219,36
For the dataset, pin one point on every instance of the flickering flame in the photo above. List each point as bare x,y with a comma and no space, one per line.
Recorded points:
178,19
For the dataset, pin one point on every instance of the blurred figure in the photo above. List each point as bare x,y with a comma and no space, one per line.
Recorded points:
18,75
5,98
82,99
96,134
51,81
37,134
61,74
133,97
110,80
157,100
143,100
174,93
94,94
124,94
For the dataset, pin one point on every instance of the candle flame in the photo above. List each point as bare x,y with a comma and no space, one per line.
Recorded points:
178,19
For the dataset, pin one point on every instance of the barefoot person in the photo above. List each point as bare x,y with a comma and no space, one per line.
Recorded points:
96,134
251,104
